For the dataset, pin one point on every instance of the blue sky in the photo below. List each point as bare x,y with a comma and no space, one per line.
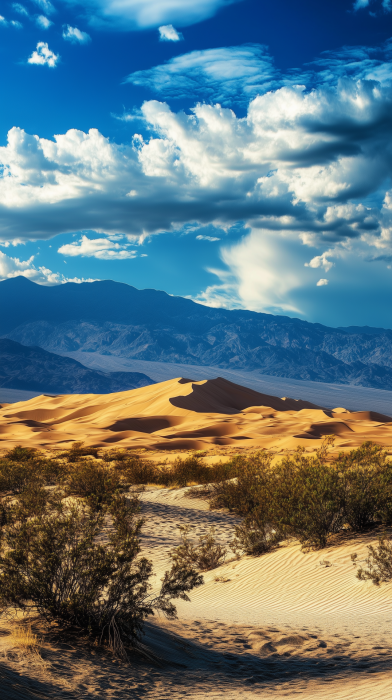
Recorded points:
238,153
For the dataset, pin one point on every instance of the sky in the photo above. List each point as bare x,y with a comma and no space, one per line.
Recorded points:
235,152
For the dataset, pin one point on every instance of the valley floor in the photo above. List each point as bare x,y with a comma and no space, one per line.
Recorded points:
277,626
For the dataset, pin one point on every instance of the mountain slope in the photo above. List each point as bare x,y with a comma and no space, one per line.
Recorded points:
34,369
113,318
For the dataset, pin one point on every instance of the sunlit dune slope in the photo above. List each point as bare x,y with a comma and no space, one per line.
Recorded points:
184,414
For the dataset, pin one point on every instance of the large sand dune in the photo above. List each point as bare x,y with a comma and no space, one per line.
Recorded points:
182,414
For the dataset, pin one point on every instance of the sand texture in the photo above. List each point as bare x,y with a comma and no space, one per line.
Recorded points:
286,624
277,626
181,414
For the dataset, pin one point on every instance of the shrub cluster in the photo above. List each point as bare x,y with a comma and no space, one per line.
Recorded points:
306,497
136,470
78,561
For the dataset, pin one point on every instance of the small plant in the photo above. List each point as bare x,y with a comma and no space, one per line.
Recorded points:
379,563
207,555
255,536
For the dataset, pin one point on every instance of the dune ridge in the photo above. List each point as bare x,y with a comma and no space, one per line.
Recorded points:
182,414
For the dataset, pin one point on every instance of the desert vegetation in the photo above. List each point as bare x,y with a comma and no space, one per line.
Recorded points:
70,549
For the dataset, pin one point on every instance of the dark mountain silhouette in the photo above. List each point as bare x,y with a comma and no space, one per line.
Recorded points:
117,319
35,369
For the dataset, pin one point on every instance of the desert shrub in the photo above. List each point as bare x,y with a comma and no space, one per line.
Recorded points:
136,470
53,563
94,482
77,451
206,555
379,562
21,465
246,486
307,500
255,536
366,476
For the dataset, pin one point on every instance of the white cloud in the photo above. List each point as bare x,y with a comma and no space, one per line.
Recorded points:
14,267
46,5
16,24
168,33
321,261
359,4
43,22
75,35
223,74
43,56
207,238
142,14
322,283
3,20
100,248
20,9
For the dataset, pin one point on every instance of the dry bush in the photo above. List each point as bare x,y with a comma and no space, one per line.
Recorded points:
22,465
255,536
366,477
206,555
136,470
378,562
94,482
53,563
77,451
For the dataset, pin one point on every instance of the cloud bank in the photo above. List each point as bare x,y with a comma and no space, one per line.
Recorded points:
145,14
308,169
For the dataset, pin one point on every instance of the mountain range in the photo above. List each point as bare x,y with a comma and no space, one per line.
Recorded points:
34,369
113,318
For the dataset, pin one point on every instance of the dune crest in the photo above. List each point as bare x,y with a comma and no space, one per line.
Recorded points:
186,414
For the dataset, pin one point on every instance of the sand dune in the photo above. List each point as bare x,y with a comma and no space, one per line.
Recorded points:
182,414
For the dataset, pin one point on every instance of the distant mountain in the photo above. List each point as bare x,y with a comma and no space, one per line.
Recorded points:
34,369
117,319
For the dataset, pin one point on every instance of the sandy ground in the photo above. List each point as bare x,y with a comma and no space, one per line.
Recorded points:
280,625
181,414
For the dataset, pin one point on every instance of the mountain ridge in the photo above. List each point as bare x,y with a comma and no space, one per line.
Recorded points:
117,319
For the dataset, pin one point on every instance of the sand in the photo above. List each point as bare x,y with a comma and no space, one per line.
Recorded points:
181,414
280,625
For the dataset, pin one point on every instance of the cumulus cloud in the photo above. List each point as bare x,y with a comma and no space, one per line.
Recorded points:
16,24
359,4
225,74
143,14
14,267
100,248
168,33
43,22
75,35
43,56
321,261
322,283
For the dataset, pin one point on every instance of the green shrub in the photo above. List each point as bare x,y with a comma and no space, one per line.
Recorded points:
255,536
54,564
379,563
136,470
306,500
366,477
94,482
77,451
208,554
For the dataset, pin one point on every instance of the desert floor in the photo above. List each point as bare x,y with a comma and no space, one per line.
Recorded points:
280,625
